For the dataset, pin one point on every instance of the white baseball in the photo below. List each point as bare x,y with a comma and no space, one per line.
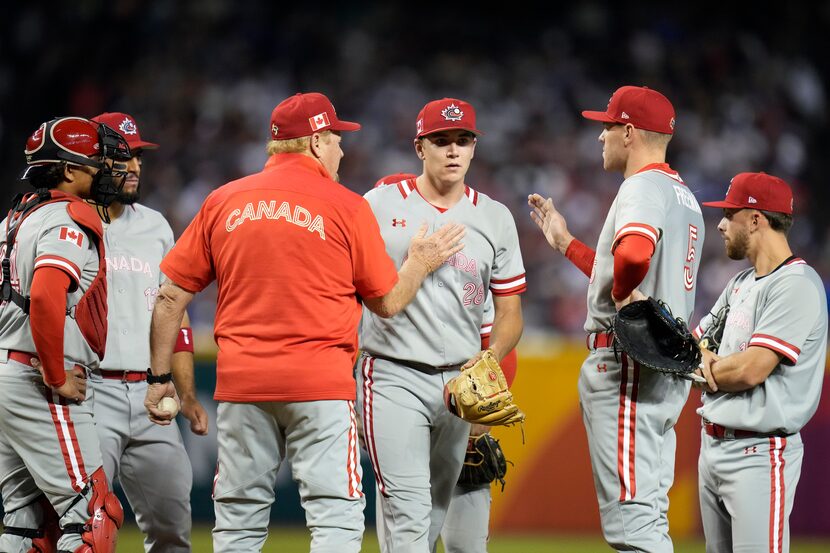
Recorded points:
169,405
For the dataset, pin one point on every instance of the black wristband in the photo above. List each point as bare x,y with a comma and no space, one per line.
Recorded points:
161,379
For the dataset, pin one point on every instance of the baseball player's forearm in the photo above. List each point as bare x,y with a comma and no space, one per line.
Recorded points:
745,369
183,375
508,324
47,315
167,317
410,277
580,255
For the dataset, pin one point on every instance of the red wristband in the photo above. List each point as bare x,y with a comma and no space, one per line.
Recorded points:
184,342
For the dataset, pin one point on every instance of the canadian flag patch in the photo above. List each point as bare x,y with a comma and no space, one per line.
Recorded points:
319,121
69,234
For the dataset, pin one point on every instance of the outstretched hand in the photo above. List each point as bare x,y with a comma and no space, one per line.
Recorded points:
550,221
439,246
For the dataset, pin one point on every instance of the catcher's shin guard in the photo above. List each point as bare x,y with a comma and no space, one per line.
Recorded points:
100,532
44,537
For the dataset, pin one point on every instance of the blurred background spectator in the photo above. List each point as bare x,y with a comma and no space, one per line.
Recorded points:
749,86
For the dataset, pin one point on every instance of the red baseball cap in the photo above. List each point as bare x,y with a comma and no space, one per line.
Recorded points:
446,114
641,106
305,114
125,126
757,191
394,178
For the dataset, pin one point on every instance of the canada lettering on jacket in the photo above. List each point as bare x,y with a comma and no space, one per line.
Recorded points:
299,216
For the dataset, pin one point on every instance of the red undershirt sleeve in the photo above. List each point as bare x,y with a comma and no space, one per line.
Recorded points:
582,256
632,257
47,314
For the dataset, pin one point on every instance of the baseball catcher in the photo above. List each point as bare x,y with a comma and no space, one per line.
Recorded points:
648,333
480,395
483,463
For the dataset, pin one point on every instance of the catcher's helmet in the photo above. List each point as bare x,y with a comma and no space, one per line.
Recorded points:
79,141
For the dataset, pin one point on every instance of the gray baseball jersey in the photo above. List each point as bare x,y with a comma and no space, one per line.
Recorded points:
786,312
135,244
409,358
629,412
747,481
442,324
49,238
148,460
654,203
47,444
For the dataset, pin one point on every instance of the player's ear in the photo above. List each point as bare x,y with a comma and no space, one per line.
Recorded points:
628,133
315,144
419,147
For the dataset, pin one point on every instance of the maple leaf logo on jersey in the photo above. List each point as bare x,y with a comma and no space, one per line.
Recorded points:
68,234
452,113
127,126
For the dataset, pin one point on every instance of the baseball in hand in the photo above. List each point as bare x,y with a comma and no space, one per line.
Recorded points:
169,405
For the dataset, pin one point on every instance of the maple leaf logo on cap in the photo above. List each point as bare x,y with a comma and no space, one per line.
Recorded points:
127,126
452,113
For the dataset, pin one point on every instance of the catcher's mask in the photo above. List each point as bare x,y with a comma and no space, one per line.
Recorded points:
79,141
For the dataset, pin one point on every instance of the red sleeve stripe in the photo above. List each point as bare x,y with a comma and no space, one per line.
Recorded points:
472,195
777,345
486,329
65,265
698,332
508,286
405,188
637,228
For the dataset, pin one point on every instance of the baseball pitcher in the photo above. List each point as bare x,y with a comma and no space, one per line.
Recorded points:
415,444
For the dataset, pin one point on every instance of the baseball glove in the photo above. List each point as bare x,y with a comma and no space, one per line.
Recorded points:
648,333
484,462
480,395
714,333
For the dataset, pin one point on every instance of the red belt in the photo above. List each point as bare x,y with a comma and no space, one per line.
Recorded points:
26,358
721,432
125,376
22,357
596,340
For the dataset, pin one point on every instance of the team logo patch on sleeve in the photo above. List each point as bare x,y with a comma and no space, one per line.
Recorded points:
69,234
